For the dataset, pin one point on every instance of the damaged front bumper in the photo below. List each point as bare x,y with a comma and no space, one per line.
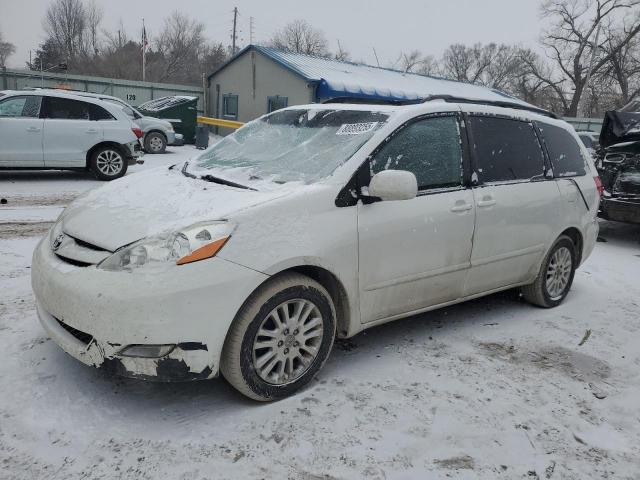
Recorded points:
94,314
186,361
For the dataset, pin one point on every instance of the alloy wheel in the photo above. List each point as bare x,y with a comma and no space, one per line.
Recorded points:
558,272
287,341
109,162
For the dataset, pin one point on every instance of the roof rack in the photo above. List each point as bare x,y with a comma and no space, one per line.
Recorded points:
445,98
372,101
493,103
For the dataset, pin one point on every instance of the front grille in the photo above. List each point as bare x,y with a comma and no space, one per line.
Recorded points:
82,336
80,253
75,263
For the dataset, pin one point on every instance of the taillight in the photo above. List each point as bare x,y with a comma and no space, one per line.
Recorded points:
599,185
137,132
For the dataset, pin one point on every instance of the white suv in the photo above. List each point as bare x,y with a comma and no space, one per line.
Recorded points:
62,131
311,222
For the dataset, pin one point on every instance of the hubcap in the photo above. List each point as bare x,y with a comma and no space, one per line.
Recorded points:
109,162
558,272
156,144
287,341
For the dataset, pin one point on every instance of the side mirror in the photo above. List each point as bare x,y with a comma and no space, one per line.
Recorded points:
391,185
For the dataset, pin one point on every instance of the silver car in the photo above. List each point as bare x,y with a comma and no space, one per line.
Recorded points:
158,133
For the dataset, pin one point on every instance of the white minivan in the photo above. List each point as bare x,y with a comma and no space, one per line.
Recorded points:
56,130
314,222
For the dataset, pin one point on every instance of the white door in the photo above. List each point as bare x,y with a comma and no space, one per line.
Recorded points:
21,132
516,204
416,253
69,132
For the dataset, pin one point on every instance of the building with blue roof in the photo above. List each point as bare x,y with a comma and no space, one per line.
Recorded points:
258,80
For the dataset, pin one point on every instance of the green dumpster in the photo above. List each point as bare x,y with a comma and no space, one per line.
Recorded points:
180,110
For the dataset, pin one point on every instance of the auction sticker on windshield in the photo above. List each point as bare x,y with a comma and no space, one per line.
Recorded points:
356,128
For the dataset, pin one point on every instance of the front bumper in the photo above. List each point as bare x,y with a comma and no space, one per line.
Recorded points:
178,140
93,314
620,210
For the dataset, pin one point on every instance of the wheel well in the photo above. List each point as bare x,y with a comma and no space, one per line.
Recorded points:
576,237
335,288
105,144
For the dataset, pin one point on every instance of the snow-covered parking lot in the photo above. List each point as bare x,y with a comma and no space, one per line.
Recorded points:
493,388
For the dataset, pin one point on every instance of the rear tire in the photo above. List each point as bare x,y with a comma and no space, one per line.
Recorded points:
555,278
266,357
108,163
155,142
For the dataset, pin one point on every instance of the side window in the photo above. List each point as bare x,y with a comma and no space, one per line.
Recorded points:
67,109
230,106
430,149
26,107
506,149
276,103
564,151
96,112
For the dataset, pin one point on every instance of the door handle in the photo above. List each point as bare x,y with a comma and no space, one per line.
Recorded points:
487,201
92,130
461,208
33,129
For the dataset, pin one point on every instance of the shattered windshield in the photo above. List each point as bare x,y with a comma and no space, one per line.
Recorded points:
294,145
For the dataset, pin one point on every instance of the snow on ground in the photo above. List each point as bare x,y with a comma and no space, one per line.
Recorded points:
493,388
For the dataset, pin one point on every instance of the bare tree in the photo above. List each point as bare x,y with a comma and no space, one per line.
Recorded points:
300,37
180,45
569,42
6,50
623,68
94,19
491,65
65,23
415,62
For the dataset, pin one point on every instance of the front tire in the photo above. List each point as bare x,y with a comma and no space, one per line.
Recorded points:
155,142
555,277
108,163
280,338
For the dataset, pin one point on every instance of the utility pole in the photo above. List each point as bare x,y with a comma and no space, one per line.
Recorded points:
234,36
251,30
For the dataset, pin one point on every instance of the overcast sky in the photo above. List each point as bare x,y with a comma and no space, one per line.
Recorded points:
359,25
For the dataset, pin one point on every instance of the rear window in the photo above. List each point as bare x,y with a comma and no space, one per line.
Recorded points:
564,152
506,149
67,109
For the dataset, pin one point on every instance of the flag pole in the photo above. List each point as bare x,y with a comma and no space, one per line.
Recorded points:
144,51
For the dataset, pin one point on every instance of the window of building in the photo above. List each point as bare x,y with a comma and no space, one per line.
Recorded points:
230,106
564,151
506,149
429,148
276,103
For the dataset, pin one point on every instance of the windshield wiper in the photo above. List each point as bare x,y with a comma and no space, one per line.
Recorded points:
214,179
224,181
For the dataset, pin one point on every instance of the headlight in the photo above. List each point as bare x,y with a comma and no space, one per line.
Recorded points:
191,244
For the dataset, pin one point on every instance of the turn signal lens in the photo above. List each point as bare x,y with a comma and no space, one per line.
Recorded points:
202,253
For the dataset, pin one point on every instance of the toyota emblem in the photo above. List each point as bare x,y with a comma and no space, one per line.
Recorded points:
57,242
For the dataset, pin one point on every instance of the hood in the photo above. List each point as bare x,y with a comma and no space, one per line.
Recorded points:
155,201
156,121
619,127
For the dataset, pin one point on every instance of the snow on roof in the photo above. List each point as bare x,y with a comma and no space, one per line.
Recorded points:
166,102
337,78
